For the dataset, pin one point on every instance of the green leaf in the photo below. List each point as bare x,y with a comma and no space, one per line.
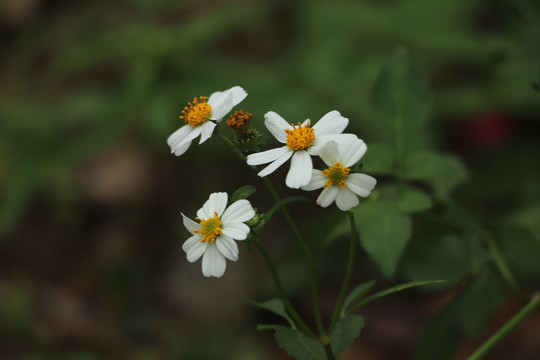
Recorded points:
344,333
412,200
298,345
357,293
476,304
275,305
243,193
530,9
438,338
378,159
405,198
401,101
384,232
443,172
449,256
520,249
397,288
276,206
529,218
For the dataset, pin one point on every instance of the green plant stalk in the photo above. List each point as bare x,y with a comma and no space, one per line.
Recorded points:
329,353
282,293
314,291
503,268
313,279
348,273
507,328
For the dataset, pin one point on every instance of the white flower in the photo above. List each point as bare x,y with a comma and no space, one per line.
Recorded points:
339,184
198,114
301,142
216,231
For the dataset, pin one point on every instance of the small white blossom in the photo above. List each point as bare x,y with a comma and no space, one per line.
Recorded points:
301,142
214,235
339,184
200,116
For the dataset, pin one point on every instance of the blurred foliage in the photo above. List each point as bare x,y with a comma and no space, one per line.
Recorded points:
81,80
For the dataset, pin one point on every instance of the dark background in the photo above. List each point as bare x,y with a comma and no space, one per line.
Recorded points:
91,265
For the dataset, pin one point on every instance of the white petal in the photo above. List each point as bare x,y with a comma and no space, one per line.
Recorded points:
346,199
317,181
213,263
178,135
215,203
351,151
237,230
213,98
277,125
196,250
189,243
320,142
180,150
267,156
190,224
327,196
277,163
330,153
222,105
300,171
331,123
188,135
206,130
361,184
227,247
238,93
239,211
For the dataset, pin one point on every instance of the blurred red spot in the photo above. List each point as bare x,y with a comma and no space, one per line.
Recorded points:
484,131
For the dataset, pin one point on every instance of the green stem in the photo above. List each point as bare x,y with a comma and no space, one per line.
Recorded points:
348,273
314,291
275,196
329,353
527,310
231,144
281,291
503,268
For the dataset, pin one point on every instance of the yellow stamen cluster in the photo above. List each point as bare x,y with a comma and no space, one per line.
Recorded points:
300,138
239,120
210,228
336,175
197,112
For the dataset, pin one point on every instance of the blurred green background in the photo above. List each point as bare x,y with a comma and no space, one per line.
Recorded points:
91,265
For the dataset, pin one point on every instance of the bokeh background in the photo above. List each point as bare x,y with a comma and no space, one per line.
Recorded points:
91,265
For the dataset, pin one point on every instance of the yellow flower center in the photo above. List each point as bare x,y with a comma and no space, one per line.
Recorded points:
210,228
336,175
197,112
300,138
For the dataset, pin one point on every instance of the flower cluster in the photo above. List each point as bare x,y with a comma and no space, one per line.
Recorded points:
218,226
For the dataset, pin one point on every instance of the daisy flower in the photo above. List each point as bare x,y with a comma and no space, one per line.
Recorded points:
339,184
301,142
215,232
197,115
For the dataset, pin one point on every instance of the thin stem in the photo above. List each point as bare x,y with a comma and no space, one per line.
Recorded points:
230,143
503,268
275,196
507,328
281,291
348,273
314,291
329,353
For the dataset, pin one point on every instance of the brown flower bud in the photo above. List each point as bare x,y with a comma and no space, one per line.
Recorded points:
239,120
